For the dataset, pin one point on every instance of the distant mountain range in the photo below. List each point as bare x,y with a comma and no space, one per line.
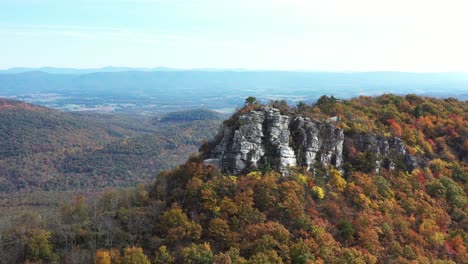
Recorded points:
191,115
230,82
161,90
54,70
59,70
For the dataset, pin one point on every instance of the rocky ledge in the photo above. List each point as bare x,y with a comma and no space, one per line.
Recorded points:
268,139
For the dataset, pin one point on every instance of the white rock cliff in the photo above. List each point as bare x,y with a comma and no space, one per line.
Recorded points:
268,139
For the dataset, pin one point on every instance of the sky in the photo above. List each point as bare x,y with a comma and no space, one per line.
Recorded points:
331,35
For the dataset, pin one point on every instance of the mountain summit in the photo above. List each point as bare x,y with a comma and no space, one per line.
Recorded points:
265,138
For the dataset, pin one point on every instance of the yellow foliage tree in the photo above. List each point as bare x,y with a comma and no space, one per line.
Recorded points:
134,255
163,256
337,180
318,192
102,256
38,246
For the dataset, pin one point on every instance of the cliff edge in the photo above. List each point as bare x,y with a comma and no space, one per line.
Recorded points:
265,138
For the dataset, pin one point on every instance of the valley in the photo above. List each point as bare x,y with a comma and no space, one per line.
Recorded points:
154,92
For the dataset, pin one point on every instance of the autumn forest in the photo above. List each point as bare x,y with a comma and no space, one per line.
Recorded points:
194,213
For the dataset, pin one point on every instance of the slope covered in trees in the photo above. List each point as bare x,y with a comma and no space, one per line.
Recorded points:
191,115
195,214
45,149
128,161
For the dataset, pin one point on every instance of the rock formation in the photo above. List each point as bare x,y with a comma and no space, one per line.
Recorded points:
317,141
386,150
266,138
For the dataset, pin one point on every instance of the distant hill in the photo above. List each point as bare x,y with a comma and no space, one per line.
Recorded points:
25,128
45,149
126,161
191,115
153,92
54,70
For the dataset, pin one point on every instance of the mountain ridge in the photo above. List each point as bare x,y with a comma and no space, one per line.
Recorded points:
45,149
60,70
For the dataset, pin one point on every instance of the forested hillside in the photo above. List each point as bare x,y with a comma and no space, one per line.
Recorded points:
196,214
45,149
191,115
128,161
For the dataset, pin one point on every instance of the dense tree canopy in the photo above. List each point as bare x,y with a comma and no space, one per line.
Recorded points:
49,150
196,214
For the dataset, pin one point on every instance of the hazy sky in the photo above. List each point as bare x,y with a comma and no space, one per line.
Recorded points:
330,35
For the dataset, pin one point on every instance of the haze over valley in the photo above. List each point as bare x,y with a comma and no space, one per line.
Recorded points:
156,91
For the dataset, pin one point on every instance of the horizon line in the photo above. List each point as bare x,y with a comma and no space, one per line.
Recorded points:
164,68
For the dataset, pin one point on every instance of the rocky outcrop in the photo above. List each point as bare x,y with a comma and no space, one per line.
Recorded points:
317,142
262,139
266,138
387,151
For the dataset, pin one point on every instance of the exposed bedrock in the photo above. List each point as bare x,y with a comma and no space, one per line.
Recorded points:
268,138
